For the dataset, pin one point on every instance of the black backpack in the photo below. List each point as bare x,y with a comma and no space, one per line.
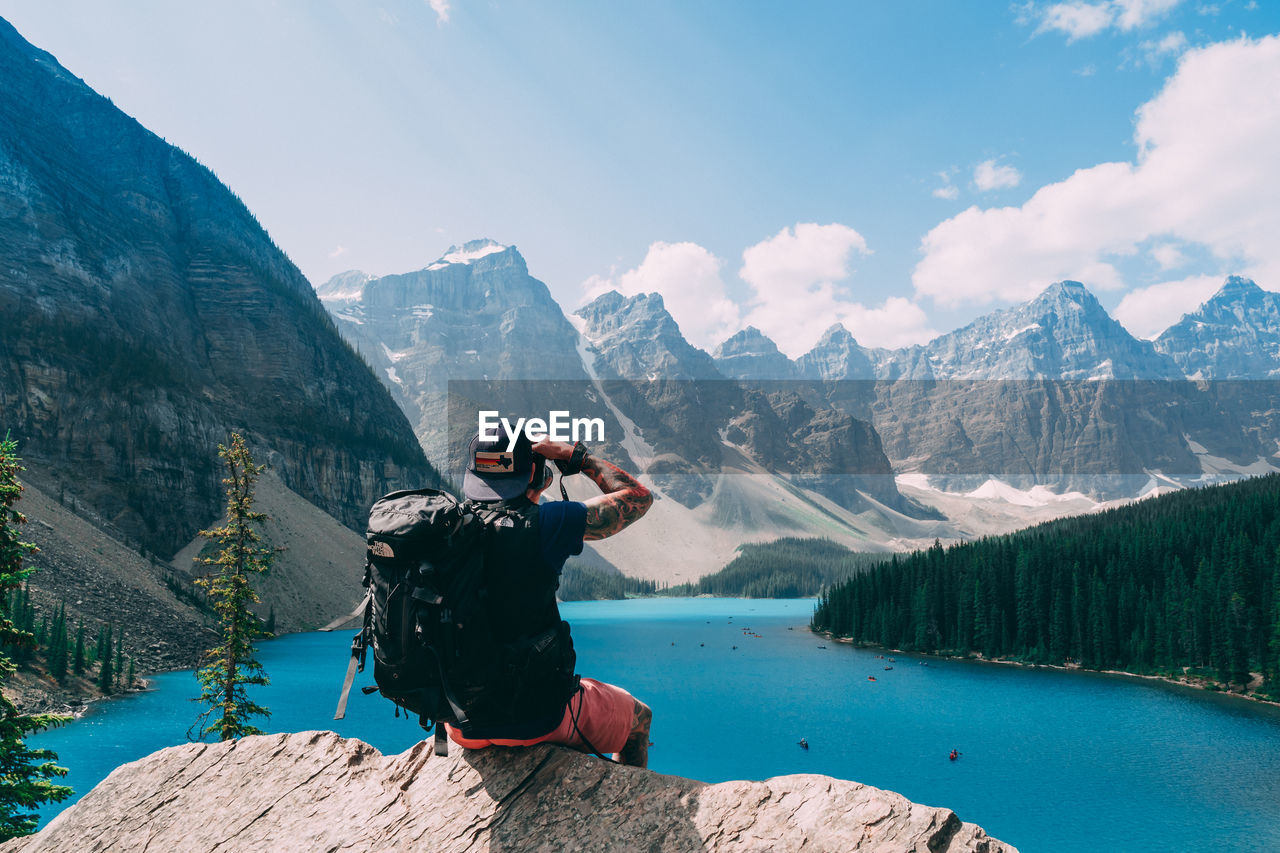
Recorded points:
427,618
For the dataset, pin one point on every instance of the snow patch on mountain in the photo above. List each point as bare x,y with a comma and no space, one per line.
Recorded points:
640,451
1216,468
1016,332
468,253
393,356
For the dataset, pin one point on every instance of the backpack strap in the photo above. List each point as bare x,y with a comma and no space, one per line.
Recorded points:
359,647
442,742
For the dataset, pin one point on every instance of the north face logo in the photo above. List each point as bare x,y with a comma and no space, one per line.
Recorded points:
381,549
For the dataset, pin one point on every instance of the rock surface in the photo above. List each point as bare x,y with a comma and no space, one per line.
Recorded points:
316,791
145,314
1233,335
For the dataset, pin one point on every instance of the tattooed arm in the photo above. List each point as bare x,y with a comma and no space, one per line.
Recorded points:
624,499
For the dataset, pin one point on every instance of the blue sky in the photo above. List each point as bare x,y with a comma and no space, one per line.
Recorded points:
899,167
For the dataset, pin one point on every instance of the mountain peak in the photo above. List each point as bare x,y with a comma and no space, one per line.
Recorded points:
1066,291
749,339
1233,335
836,333
344,287
470,252
751,354
1238,285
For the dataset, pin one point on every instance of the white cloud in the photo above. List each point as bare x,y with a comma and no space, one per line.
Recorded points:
1079,19
1148,311
990,176
1131,14
801,257
796,293
338,252
898,322
688,278
795,322
441,8
1205,174
1168,256
1155,52
948,190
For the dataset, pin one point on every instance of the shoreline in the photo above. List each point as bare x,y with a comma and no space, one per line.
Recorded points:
1199,684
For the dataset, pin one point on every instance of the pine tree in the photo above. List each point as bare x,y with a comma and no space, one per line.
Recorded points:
119,668
231,667
25,774
128,682
270,628
58,644
78,662
106,676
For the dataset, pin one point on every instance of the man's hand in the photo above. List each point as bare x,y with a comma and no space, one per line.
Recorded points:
624,499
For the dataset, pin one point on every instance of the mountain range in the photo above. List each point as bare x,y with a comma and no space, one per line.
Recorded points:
1050,406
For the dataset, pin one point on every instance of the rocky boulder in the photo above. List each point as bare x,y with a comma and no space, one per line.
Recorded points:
316,791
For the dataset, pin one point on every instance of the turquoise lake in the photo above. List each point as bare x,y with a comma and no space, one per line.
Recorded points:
1050,760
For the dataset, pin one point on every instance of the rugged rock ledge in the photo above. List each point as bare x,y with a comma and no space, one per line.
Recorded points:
316,791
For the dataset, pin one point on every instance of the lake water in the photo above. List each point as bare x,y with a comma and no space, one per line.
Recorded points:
1050,760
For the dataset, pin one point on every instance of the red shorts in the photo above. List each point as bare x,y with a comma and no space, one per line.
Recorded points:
604,714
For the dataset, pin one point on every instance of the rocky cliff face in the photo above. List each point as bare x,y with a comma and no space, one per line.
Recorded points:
1235,335
1062,334
1053,391
144,315
316,791
695,417
474,318
750,354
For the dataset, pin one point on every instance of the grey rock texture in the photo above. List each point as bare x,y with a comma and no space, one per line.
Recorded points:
1056,392
750,354
474,318
315,791
1064,333
687,408
1234,335
836,356
145,314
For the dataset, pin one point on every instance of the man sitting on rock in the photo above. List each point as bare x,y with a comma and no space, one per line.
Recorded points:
523,573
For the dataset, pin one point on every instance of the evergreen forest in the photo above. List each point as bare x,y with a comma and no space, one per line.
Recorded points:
1185,582
785,568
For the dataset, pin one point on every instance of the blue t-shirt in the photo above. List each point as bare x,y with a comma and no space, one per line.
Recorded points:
562,525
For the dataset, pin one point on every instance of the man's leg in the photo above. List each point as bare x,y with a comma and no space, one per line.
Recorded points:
635,751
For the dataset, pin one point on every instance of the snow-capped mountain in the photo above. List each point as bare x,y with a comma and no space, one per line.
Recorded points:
751,354
1015,396
1064,333
1234,335
1050,393
475,314
730,464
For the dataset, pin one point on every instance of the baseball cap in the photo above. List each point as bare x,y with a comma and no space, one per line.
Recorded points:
495,473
